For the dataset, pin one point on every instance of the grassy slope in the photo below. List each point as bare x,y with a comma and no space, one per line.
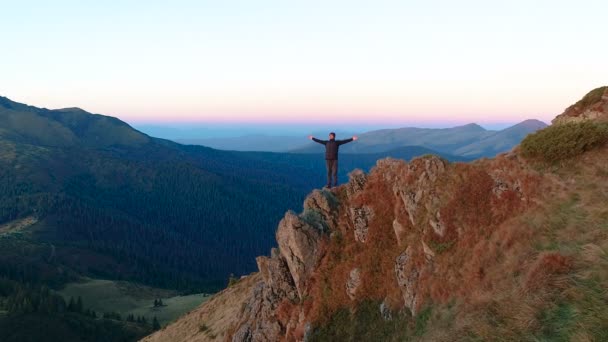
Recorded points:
210,322
126,298
73,169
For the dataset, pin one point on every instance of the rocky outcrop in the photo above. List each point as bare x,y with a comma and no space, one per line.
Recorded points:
258,319
407,278
276,276
260,323
418,191
320,210
286,272
361,218
299,246
594,106
356,183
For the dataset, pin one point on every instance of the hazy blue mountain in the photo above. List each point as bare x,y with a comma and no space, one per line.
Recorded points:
441,139
501,141
471,141
249,143
194,131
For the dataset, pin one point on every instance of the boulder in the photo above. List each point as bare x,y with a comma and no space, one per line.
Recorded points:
299,246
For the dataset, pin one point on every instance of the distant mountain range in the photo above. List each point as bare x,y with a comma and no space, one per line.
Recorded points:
470,141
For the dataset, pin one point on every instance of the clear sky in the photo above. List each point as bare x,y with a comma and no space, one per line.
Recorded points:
288,61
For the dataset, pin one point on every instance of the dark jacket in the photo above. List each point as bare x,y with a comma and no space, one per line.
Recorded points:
331,147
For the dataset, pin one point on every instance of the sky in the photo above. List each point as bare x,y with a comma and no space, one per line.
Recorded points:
287,62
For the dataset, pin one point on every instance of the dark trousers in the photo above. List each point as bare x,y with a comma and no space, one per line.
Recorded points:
332,170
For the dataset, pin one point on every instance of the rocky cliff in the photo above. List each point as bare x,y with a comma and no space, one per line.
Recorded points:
593,106
505,249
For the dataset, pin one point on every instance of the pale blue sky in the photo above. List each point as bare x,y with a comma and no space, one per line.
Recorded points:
304,61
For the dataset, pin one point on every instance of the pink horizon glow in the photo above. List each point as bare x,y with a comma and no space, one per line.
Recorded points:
355,118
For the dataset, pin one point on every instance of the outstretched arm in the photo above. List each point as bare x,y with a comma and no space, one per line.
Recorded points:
322,142
346,141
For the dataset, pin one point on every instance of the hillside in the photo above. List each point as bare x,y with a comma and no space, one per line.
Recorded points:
593,106
86,195
469,141
130,206
512,248
501,141
140,208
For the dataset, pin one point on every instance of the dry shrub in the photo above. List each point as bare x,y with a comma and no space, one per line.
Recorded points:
559,142
375,258
469,213
546,266
285,311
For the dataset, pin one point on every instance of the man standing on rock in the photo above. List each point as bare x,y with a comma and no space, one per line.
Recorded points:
331,155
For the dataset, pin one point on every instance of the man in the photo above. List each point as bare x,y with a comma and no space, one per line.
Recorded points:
331,155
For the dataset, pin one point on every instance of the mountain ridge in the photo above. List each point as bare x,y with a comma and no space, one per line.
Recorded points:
512,247
469,140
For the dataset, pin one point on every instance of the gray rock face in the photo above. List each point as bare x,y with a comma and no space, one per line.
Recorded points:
243,334
285,275
276,275
356,183
353,282
324,205
299,246
419,196
258,322
426,172
361,218
407,278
